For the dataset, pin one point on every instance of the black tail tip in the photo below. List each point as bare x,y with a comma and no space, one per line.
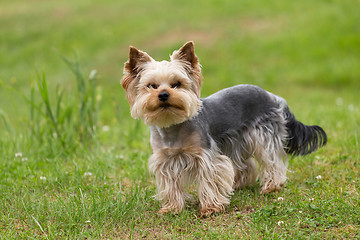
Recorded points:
305,139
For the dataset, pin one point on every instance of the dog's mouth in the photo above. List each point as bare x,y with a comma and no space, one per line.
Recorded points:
165,105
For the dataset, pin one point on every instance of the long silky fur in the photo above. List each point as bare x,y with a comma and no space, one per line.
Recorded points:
262,138
268,132
175,169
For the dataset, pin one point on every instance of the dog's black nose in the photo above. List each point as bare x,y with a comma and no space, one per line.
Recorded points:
163,96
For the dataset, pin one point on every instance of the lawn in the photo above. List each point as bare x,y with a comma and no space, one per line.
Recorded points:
73,164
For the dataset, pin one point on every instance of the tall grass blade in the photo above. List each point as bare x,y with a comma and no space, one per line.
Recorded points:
42,86
39,225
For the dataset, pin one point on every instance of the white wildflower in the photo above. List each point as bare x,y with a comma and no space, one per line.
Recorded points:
351,107
87,174
318,177
92,74
105,128
300,211
339,101
280,223
19,154
280,199
42,178
88,221
311,199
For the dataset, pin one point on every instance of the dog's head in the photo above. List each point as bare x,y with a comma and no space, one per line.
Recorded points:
163,93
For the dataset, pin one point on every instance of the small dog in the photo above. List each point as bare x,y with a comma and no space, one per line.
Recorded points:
211,141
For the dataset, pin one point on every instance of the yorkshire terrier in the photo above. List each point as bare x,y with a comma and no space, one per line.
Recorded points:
211,141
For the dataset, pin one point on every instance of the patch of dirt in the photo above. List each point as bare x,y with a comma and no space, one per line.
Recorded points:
254,25
179,35
350,231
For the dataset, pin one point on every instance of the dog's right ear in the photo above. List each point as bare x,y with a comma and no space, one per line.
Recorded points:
132,67
136,59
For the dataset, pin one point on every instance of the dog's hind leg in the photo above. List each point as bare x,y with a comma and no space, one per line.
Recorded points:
273,169
269,137
269,152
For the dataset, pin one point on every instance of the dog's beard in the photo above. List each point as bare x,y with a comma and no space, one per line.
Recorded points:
180,107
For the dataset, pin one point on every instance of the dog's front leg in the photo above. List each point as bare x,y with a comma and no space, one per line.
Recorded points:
170,192
216,178
169,184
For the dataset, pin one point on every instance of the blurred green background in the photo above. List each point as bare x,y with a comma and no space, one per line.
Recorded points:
289,47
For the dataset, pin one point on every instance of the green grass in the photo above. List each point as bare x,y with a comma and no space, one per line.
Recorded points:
83,172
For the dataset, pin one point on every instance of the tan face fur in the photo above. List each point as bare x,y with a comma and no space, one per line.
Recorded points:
163,93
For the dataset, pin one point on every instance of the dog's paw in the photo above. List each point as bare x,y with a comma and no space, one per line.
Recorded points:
208,211
268,188
166,210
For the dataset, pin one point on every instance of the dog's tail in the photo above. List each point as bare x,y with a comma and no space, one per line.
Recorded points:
302,139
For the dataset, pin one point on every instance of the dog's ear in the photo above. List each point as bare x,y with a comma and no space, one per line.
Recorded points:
132,67
186,54
136,59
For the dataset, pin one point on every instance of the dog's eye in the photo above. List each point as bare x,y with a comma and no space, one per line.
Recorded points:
154,86
176,85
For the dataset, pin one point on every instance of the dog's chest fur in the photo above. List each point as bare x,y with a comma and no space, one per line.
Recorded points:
184,136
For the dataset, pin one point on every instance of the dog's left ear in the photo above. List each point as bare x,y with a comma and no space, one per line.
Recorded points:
187,55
